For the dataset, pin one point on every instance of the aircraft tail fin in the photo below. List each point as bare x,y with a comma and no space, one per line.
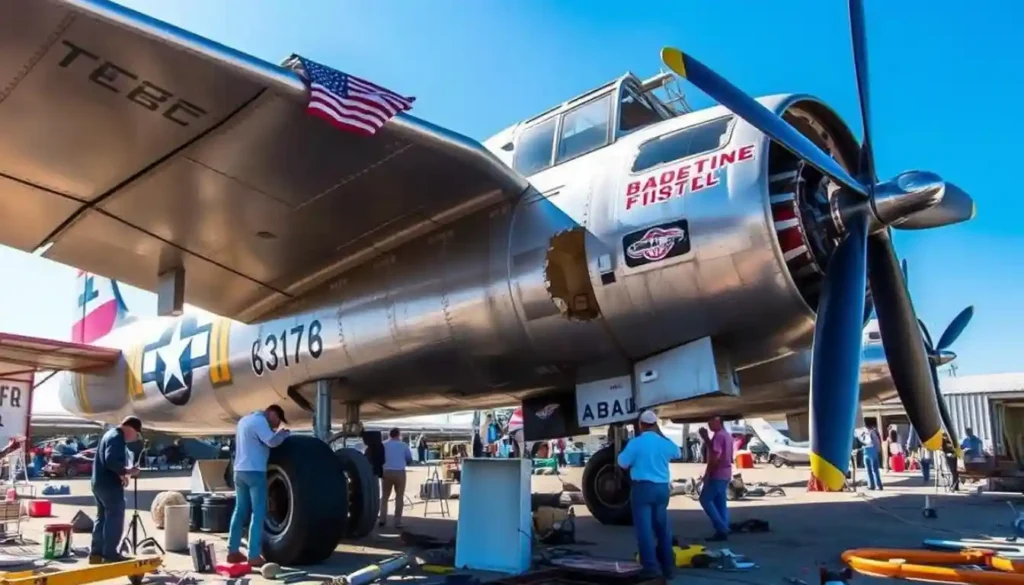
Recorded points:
100,308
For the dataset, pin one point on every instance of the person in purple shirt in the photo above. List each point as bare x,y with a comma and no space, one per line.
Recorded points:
717,476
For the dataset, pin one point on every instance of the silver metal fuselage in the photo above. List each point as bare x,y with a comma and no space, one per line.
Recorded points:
465,318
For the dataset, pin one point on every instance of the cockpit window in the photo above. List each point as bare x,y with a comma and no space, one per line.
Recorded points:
584,128
684,143
534,148
635,111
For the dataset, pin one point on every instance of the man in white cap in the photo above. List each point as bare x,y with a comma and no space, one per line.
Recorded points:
647,457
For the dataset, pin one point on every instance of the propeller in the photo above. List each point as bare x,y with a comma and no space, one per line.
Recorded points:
864,211
939,355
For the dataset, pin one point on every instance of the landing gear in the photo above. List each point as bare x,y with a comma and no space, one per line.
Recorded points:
307,497
317,495
363,492
363,500
606,486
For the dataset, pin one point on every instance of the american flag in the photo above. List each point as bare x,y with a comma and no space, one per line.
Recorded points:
348,102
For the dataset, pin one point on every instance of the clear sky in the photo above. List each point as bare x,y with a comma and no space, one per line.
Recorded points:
945,80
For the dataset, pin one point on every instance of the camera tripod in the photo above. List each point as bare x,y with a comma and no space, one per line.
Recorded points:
131,541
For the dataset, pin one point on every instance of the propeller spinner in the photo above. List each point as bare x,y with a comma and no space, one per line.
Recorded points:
865,210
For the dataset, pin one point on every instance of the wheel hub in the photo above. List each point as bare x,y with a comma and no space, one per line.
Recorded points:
611,488
280,501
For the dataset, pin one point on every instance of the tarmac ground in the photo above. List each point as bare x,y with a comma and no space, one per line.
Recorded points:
807,530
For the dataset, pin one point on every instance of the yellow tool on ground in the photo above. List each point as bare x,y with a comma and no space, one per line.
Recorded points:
135,570
684,554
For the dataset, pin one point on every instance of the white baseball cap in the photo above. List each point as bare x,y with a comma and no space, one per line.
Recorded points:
648,417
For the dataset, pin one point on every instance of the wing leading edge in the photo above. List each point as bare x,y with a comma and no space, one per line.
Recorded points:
132,147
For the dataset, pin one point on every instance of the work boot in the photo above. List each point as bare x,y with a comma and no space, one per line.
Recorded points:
236,557
717,537
95,559
118,558
257,562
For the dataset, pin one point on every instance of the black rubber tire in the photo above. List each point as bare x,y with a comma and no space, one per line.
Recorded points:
605,514
777,462
318,502
363,492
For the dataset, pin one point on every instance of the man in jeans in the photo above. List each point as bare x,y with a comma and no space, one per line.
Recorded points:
397,455
872,451
255,436
647,457
717,476
110,475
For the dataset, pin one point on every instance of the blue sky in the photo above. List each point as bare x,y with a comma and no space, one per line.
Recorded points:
945,82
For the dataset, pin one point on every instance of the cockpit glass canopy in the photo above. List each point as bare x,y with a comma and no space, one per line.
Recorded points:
588,124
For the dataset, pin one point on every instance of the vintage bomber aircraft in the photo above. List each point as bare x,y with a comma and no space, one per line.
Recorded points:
698,262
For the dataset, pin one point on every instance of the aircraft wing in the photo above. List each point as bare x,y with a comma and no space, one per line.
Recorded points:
131,147
21,355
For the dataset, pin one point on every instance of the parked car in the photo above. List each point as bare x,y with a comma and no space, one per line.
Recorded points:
77,465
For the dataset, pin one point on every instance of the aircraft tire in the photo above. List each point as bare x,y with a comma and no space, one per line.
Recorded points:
363,492
307,502
607,500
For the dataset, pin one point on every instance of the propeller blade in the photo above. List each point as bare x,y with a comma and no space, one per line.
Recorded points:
835,357
901,338
928,345
947,421
860,66
757,116
956,207
955,328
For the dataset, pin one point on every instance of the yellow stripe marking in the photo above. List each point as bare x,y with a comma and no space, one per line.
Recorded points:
214,366
133,369
82,391
935,442
220,369
674,60
829,474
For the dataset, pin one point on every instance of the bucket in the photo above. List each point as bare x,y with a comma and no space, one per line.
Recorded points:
217,511
898,462
56,541
39,508
195,516
575,458
744,460
176,520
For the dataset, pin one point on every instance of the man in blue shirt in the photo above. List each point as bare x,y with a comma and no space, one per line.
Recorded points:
971,445
647,457
397,455
255,436
110,475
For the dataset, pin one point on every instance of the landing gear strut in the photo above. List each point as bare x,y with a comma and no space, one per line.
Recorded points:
317,495
606,486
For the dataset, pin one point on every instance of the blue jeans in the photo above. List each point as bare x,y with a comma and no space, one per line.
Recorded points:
926,469
250,498
649,502
106,531
871,465
712,499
